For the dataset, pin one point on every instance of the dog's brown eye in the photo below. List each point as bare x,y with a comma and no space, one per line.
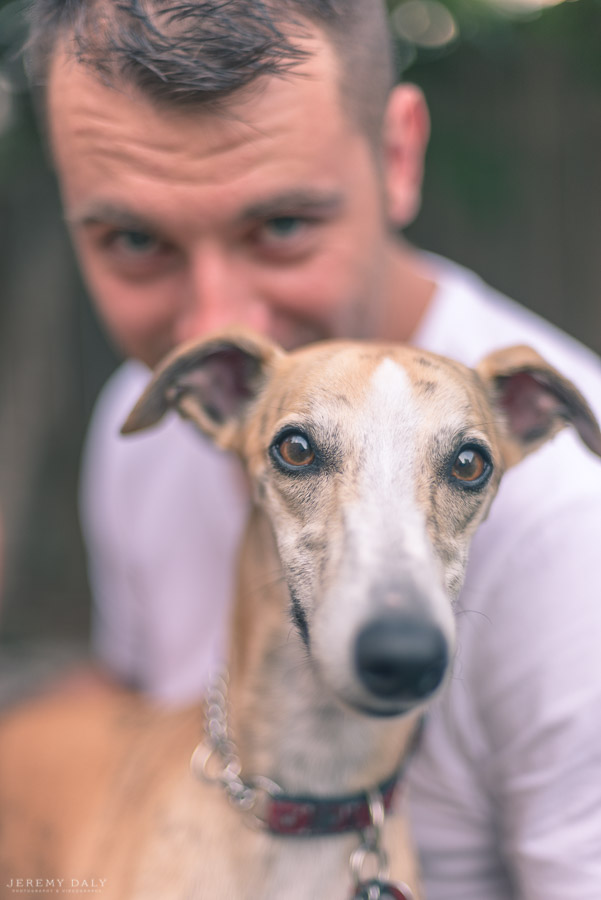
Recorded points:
296,450
469,465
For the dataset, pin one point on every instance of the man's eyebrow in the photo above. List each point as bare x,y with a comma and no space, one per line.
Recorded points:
107,213
301,202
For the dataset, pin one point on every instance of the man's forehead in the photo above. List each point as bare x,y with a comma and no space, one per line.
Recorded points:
80,100
96,126
320,66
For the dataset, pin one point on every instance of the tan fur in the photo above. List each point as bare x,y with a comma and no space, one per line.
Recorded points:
99,787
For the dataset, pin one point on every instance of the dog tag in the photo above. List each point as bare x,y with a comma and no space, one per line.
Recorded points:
381,890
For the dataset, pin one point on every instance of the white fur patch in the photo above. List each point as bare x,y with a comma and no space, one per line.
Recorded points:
391,387
392,421
387,558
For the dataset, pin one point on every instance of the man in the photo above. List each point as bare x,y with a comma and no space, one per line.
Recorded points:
251,162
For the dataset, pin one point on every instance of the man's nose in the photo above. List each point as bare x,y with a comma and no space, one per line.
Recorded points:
219,292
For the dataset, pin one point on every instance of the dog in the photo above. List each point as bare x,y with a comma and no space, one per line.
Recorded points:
370,468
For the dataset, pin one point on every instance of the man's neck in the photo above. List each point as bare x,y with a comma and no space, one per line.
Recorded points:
410,289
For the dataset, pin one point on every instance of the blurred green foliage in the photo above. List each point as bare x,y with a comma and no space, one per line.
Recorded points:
570,28
485,30
20,149
472,157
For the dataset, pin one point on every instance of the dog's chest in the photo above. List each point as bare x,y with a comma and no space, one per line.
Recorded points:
202,847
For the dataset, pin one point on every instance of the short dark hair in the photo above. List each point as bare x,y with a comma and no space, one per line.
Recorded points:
187,52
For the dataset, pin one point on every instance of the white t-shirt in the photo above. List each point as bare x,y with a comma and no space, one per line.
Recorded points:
505,791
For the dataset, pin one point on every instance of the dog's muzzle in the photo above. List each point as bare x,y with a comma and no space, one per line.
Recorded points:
401,658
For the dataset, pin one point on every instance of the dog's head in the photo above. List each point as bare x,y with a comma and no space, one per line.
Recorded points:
374,464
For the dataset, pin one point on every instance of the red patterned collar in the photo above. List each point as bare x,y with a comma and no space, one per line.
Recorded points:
302,816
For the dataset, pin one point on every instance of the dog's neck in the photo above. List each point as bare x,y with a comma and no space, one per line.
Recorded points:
286,725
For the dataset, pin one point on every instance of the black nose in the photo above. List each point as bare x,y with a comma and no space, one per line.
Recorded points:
401,657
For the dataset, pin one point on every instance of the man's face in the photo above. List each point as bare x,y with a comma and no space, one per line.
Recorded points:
270,214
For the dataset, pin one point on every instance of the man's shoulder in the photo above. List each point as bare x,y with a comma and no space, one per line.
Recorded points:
115,401
122,474
107,450
547,516
532,574
126,477
550,497
468,319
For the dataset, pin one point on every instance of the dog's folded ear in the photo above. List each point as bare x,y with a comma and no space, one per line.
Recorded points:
210,381
534,402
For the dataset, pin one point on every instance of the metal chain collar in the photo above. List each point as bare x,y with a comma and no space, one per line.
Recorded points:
371,843
371,851
218,752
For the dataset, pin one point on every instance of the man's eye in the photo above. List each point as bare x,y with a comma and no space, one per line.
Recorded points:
133,253
283,234
133,243
285,238
283,227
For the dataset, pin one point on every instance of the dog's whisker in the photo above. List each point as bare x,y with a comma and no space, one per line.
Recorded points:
473,612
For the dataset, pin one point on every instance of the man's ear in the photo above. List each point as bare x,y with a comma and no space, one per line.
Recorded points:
534,402
406,135
210,381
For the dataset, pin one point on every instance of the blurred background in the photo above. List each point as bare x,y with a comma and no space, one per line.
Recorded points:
513,190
